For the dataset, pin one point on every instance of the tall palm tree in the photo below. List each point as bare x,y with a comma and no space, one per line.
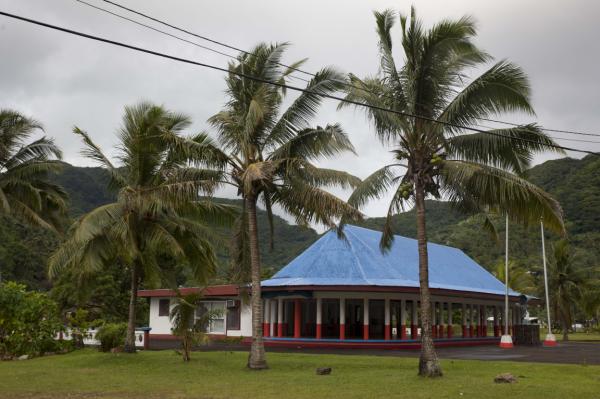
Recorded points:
157,212
566,282
25,192
477,172
270,152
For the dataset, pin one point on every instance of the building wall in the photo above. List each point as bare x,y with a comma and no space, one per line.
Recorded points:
162,324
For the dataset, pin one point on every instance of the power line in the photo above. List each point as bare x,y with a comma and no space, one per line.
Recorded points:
220,43
278,84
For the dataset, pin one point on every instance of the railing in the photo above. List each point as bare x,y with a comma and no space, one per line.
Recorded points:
89,338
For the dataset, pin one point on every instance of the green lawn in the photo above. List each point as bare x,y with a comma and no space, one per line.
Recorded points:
90,374
578,336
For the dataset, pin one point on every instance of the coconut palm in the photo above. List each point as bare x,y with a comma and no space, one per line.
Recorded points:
566,282
190,329
475,171
25,192
519,279
157,212
270,153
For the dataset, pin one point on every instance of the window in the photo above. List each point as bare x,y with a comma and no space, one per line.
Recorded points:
217,322
163,307
233,317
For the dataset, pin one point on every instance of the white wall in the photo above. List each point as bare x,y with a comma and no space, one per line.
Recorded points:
162,324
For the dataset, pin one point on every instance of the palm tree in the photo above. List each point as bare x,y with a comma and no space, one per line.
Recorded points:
157,212
476,172
189,328
566,282
519,279
25,192
270,154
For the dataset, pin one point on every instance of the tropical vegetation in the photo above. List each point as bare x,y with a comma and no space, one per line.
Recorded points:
158,213
435,152
270,153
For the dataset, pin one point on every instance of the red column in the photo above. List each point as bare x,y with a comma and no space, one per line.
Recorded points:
387,332
342,331
319,332
402,331
297,317
434,331
441,331
365,331
449,331
280,330
471,331
413,331
464,331
266,329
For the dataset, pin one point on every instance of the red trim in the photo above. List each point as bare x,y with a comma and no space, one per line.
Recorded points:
171,337
297,317
300,344
548,342
387,332
266,329
214,290
449,335
365,331
280,330
471,330
402,331
413,331
441,331
506,345
319,333
342,331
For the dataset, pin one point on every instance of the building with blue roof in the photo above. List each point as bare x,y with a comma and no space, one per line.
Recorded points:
346,292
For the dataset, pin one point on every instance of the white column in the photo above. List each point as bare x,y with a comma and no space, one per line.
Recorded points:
366,311
319,310
342,313
279,316
387,312
450,321
266,309
273,326
433,312
403,312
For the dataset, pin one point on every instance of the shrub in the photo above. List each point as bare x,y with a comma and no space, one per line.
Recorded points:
29,321
111,335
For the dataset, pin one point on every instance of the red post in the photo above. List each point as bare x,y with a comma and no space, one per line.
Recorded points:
464,331
471,331
413,331
319,332
402,331
266,329
342,331
441,331
434,331
297,318
365,332
449,331
280,330
387,332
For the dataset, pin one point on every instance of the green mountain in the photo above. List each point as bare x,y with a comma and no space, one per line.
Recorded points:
575,183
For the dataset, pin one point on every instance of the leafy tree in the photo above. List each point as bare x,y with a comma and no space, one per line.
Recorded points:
566,283
157,213
519,279
24,167
433,154
270,153
190,329
29,321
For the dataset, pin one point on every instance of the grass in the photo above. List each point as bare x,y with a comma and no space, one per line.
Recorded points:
162,374
574,336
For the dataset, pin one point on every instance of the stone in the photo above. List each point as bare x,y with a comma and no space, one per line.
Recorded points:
23,357
323,370
505,378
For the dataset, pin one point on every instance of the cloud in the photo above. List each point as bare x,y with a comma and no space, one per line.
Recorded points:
65,81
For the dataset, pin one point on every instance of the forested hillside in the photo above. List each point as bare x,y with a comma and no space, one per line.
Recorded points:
575,183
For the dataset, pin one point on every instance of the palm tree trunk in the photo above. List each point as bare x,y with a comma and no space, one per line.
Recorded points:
256,359
429,365
565,327
130,337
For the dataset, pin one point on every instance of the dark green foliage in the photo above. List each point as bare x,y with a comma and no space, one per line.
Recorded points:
29,321
111,335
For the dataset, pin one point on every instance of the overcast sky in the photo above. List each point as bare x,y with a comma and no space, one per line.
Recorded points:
63,80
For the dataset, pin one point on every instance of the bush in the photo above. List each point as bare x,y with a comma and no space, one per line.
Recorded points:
111,335
29,321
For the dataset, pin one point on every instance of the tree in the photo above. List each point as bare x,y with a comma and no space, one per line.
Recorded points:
158,212
566,282
270,155
519,279
433,154
25,192
190,330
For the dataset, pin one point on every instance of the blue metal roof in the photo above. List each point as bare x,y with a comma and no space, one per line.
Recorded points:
358,261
